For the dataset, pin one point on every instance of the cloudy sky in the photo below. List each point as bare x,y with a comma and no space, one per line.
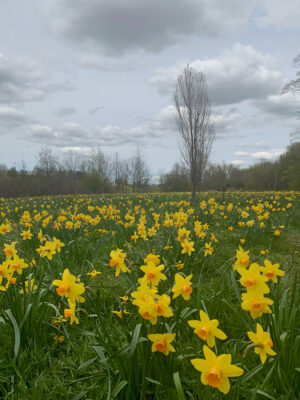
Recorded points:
81,74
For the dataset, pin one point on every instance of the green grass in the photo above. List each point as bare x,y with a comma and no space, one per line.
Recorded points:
104,357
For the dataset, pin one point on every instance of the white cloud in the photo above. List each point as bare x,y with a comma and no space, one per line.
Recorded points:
285,105
241,153
151,131
239,73
262,144
239,163
267,155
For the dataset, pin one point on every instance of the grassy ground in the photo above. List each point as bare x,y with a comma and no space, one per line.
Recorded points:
43,356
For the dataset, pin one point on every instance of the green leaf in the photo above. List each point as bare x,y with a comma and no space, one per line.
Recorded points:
135,339
178,386
87,363
79,396
252,373
25,316
153,381
265,394
17,332
100,353
118,388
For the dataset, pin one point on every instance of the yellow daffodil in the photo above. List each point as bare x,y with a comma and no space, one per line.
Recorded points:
162,342
183,286
94,274
207,329
242,259
70,287
215,370
262,343
153,273
271,271
252,279
256,304
187,247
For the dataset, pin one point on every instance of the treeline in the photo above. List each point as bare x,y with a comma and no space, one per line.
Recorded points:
76,173
282,174
97,173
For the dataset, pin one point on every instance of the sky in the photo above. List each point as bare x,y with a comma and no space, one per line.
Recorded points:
78,75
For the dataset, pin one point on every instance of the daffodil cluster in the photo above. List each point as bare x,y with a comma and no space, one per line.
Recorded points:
254,278
12,265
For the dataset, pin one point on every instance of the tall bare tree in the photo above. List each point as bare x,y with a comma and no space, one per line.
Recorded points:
294,86
194,123
140,172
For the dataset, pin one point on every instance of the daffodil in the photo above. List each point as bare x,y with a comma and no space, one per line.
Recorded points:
117,261
28,288
70,313
252,279
242,259
187,247
153,273
271,271
215,370
70,287
10,250
183,286
208,249
207,329
162,342
256,304
94,274
153,307
26,235
262,343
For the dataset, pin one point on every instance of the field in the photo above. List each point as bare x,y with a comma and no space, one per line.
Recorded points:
145,297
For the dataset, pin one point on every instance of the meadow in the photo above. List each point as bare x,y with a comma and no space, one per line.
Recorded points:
143,296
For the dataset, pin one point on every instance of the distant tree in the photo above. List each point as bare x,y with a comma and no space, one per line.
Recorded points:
236,177
289,163
193,118
177,180
139,171
294,84
98,164
46,162
216,177
3,169
121,173
45,170
71,162
263,176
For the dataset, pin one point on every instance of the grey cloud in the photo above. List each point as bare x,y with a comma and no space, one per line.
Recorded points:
238,74
65,111
281,14
108,64
10,117
115,27
95,110
285,105
23,80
